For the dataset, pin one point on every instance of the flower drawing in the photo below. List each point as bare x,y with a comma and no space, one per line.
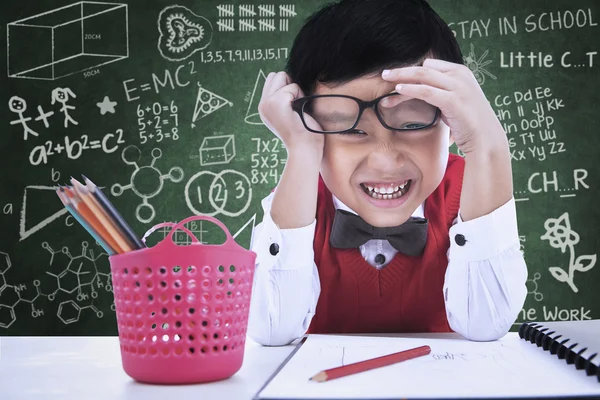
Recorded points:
560,236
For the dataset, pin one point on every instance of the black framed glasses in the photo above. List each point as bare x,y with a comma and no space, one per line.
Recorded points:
337,113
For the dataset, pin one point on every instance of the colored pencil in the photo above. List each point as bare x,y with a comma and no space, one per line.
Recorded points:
113,213
366,365
88,215
91,202
67,203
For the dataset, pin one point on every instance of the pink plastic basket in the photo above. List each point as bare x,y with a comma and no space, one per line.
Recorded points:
182,310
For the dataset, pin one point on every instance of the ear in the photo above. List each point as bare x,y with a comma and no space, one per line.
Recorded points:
54,96
70,93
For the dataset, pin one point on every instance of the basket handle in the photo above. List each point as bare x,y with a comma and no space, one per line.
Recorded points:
229,241
172,225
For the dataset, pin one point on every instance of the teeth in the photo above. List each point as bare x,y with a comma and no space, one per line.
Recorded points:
388,192
385,190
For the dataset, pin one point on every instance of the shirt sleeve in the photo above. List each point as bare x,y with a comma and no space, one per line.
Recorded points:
286,283
485,282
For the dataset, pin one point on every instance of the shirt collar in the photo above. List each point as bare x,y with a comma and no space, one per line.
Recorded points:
337,203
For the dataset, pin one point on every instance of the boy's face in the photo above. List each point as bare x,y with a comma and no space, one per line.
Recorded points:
357,168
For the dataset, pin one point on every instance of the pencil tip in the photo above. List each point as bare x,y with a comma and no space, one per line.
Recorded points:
85,178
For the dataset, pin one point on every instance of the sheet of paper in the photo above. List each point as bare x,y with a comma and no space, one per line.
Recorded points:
456,368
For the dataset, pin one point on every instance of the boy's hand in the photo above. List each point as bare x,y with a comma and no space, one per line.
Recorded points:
275,109
454,90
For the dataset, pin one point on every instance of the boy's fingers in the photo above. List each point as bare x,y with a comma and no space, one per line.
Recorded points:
393,101
267,84
432,95
293,90
279,81
441,65
424,75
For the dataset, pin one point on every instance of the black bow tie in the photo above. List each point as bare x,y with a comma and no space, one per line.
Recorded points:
351,231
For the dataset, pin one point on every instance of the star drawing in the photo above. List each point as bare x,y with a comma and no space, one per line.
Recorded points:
107,106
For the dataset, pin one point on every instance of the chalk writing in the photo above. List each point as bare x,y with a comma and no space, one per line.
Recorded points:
74,148
267,161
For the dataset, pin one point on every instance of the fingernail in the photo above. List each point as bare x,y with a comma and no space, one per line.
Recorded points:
398,87
385,72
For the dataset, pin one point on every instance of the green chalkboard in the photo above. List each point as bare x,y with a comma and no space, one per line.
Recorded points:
156,102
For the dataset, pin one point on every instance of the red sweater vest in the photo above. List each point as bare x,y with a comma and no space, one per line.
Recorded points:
404,296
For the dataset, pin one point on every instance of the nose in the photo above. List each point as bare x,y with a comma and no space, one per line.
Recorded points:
386,156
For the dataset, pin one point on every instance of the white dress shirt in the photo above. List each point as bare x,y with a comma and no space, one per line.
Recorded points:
484,287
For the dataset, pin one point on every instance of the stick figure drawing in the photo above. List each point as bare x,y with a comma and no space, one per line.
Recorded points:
62,95
18,105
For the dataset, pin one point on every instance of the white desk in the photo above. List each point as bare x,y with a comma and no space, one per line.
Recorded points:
89,368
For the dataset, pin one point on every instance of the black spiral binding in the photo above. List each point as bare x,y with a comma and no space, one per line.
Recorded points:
556,344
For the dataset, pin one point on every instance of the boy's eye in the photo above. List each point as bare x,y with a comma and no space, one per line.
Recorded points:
413,126
355,132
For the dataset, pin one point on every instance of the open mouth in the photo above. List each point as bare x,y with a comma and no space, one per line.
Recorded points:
387,191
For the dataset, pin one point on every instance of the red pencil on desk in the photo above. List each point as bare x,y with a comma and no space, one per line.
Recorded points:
366,365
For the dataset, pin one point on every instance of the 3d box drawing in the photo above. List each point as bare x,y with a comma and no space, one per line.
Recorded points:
67,40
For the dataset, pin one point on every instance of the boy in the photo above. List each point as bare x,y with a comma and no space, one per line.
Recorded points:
374,226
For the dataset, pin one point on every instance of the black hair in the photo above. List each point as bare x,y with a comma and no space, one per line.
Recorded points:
352,38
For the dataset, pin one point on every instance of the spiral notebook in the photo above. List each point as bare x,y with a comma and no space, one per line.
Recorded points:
577,342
